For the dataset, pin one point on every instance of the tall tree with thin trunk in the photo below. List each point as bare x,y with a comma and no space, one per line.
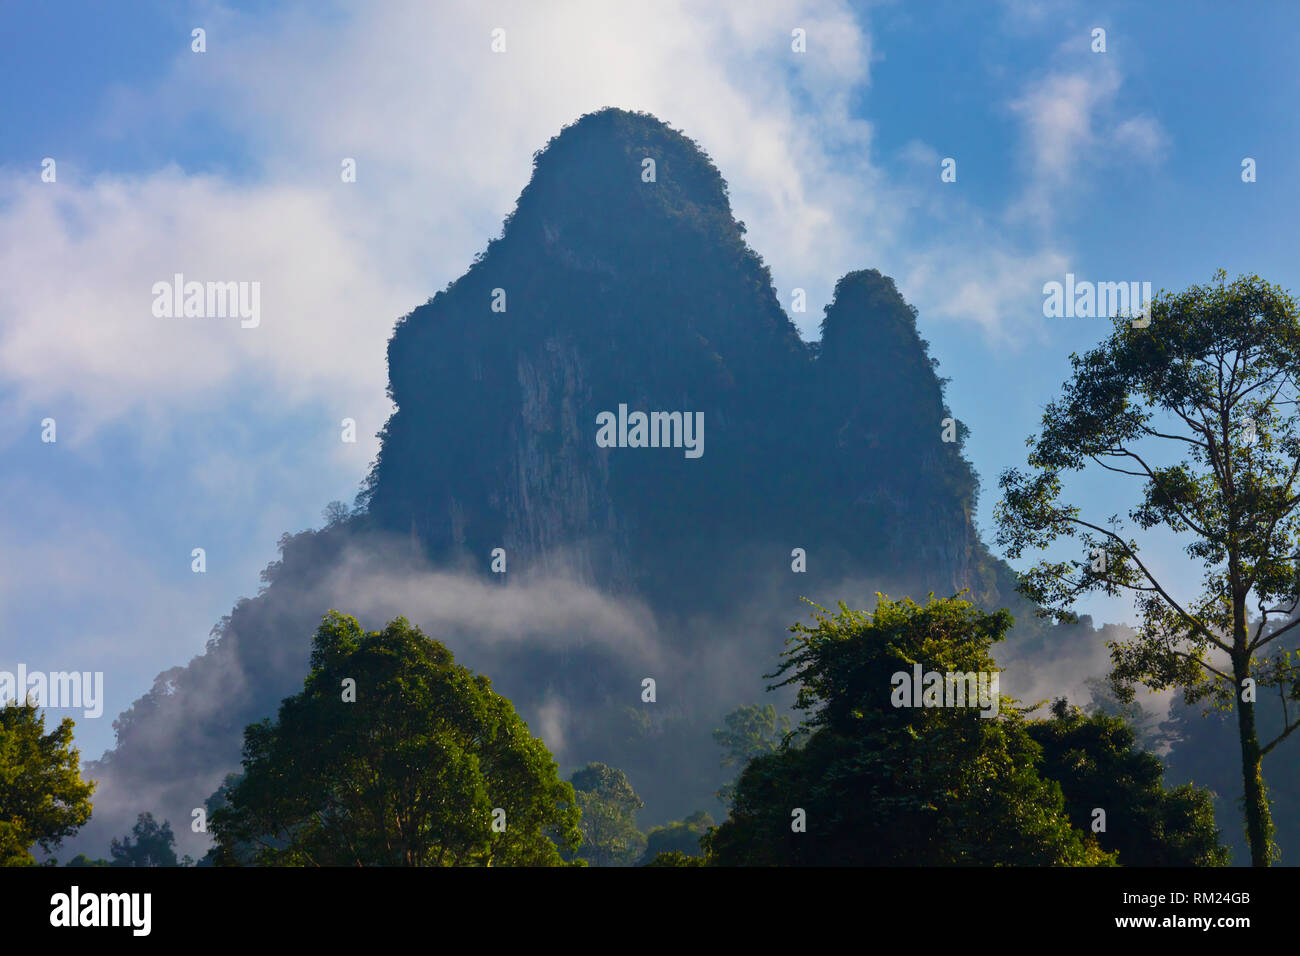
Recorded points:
1196,402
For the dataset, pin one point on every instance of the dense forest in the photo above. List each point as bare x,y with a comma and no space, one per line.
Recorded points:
394,755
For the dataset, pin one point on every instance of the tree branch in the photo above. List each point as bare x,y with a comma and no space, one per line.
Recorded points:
1196,624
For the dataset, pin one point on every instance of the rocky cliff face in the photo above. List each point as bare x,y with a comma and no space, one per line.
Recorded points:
890,465
611,290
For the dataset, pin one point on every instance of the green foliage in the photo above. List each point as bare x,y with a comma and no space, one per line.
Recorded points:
1201,407
609,804
407,775
82,860
882,785
238,853
1096,763
676,858
751,731
42,796
148,845
680,836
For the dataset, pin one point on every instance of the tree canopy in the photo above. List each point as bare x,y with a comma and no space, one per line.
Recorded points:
609,804
1099,767
42,796
879,784
750,731
149,844
679,836
393,754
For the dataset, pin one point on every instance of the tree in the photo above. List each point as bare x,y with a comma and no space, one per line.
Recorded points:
237,853
335,514
148,845
881,783
680,836
1199,405
609,805
1098,766
1146,724
394,755
42,796
1204,752
751,731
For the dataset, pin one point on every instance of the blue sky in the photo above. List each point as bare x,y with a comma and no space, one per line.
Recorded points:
1116,166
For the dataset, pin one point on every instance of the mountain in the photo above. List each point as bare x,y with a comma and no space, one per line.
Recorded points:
605,295
619,291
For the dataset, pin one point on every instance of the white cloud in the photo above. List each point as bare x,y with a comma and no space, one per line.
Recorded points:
76,320
1142,137
989,288
917,153
1058,115
1072,126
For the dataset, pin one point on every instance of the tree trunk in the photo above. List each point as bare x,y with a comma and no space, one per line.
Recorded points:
1259,822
